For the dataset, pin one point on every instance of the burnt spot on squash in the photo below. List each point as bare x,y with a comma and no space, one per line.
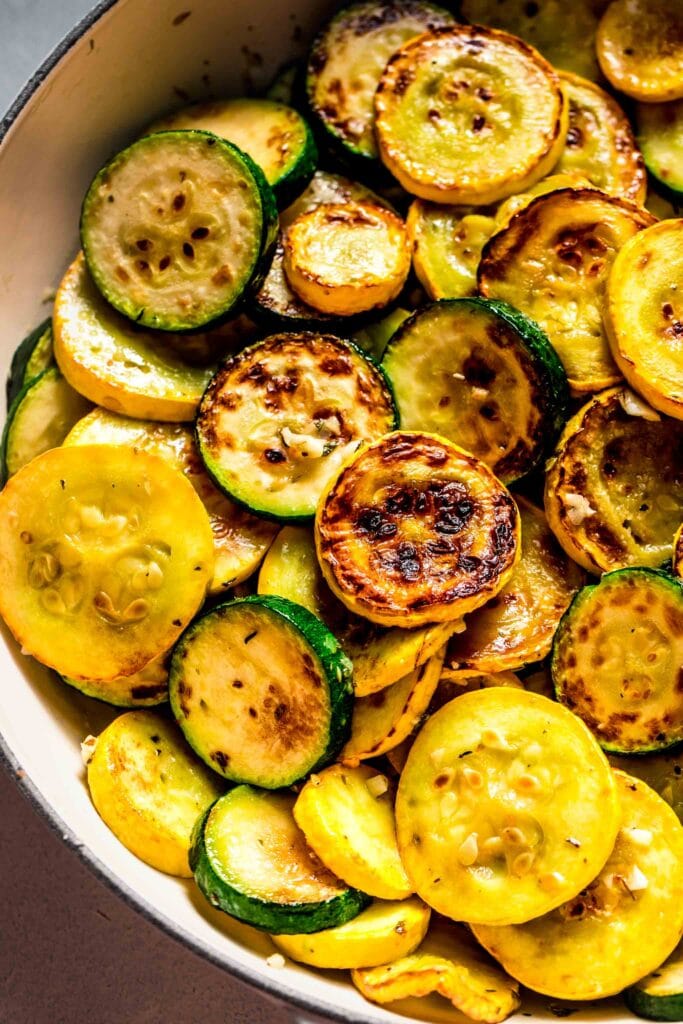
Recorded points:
148,692
220,758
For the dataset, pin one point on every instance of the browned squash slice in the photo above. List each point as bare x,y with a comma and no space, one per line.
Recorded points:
640,48
447,242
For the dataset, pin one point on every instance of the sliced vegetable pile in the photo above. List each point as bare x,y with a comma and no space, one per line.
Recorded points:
356,438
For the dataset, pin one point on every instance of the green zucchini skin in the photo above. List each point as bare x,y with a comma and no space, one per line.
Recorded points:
659,996
33,355
236,896
280,755
660,138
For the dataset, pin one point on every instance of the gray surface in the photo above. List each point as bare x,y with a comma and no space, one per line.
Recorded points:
70,951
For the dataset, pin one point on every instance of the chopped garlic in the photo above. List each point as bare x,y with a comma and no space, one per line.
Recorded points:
636,880
638,836
88,748
578,508
633,405
377,785
276,960
314,780
302,446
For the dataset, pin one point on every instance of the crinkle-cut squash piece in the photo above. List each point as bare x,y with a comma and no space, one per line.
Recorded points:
448,962
640,48
416,530
105,556
383,720
145,688
447,242
240,539
378,935
601,520
644,315
149,789
678,552
380,656
552,262
662,771
347,816
469,115
621,925
506,807
600,142
517,626
568,43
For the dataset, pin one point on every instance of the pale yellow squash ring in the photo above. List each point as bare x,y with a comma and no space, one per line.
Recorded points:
440,80
640,48
644,315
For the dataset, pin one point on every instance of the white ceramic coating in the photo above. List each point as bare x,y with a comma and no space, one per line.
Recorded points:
135,60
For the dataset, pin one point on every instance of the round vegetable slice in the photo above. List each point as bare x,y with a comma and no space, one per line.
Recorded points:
506,807
149,789
644,316
145,688
379,935
33,355
600,142
447,246
175,227
620,926
279,418
662,771
552,262
660,137
347,60
469,115
601,520
416,530
346,258
262,691
640,48
483,375
240,539
516,628
96,579
251,861
617,659
659,995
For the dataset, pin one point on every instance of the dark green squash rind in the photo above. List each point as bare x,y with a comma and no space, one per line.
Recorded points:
19,374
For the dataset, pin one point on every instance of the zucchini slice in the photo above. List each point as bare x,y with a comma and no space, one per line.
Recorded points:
640,49
138,373
660,137
552,262
346,258
175,228
378,935
347,816
240,539
145,688
497,785
149,789
600,142
347,60
275,136
262,691
278,419
617,659
645,315
380,656
96,579
469,115
33,355
601,520
40,417
384,719
621,925
516,628
659,995
447,243
416,530
662,771
484,376
251,861
448,962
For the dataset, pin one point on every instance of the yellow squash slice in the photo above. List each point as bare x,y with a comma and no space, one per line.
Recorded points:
383,720
517,626
149,789
600,518
347,816
378,935
600,142
380,656
469,115
640,48
105,556
347,258
447,242
448,962
645,315
552,183
240,539
454,682
622,925
145,688
552,262
662,771
416,530
506,807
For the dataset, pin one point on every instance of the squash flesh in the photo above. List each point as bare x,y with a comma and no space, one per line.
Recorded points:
447,242
640,49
